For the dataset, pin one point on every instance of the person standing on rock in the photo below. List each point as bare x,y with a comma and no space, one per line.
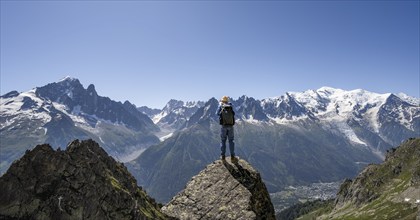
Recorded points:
227,120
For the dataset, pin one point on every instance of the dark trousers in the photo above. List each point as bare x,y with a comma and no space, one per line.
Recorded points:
227,133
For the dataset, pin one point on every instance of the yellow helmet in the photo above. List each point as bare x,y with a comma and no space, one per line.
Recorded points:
224,99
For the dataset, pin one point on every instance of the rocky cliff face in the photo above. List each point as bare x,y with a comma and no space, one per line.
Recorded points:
82,182
223,190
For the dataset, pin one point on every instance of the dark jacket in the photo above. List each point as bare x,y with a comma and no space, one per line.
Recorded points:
221,106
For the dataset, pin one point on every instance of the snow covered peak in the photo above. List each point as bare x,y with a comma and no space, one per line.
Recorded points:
338,100
412,100
25,103
68,83
329,90
174,104
68,79
176,112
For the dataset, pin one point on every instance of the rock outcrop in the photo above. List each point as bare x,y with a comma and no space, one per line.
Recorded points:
223,190
82,182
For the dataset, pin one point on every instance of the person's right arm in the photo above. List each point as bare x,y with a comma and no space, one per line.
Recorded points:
219,110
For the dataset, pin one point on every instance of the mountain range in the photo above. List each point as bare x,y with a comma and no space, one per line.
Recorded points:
62,111
319,135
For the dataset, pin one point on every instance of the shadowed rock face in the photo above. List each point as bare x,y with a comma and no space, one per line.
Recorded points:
82,182
223,190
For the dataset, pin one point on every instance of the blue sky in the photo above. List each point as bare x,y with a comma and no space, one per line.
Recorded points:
148,52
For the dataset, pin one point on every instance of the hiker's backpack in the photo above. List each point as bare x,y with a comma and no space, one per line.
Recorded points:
227,116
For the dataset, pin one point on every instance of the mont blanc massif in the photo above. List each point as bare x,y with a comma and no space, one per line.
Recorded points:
298,138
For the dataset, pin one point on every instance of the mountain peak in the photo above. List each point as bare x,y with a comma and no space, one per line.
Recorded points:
173,104
11,94
412,100
80,182
91,90
329,90
223,190
69,82
61,91
68,79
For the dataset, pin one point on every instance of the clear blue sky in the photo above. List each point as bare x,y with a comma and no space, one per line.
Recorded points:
148,52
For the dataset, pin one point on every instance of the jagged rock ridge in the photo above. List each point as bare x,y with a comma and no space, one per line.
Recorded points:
82,182
223,190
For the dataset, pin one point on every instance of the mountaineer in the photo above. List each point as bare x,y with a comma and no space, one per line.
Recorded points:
227,120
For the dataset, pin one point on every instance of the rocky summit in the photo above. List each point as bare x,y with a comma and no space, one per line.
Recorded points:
225,189
82,182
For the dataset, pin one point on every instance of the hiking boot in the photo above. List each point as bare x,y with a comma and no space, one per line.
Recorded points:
233,158
223,157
